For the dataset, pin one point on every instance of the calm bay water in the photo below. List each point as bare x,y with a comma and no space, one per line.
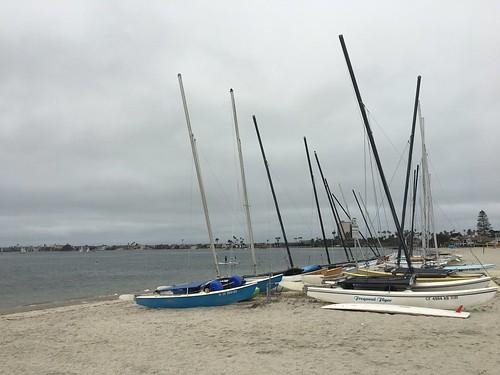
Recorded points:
46,277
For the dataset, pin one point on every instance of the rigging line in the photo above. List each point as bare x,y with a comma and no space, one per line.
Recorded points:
345,201
350,219
422,219
396,169
375,198
474,255
382,205
379,185
366,224
370,116
450,221
222,193
365,141
441,190
376,239
238,197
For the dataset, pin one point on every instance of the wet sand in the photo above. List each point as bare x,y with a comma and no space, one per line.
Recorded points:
289,334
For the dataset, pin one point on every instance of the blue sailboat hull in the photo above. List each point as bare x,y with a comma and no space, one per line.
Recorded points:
269,282
217,298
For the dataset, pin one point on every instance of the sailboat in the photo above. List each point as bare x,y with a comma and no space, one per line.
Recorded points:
428,230
220,291
314,275
397,289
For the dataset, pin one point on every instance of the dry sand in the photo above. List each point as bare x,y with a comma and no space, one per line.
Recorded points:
288,335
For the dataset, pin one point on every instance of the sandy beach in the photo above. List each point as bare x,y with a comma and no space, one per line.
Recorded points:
288,334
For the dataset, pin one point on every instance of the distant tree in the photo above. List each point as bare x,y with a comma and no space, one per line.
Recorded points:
483,224
67,247
443,237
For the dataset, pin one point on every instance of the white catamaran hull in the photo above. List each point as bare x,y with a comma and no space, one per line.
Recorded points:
315,280
294,286
435,286
449,300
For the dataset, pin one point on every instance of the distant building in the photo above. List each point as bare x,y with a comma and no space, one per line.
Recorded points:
346,229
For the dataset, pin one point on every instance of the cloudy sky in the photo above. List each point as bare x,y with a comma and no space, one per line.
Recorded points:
93,141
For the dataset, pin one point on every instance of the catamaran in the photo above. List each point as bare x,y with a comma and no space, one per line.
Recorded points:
449,300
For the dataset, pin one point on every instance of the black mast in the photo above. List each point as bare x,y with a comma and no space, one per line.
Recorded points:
415,184
366,223
375,153
274,194
336,216
408,166
317,202
336,212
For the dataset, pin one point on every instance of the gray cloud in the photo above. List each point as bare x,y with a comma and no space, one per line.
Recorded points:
93,144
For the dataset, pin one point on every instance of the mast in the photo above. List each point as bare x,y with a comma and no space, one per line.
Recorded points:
274,194
364,219
336,216
375,153
345,202
408,166
431,214
425,230
370,221
244,183
426,184
317,202
198,175
415,184
377,211
350,218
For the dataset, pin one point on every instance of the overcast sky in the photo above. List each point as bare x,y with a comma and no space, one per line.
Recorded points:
93,141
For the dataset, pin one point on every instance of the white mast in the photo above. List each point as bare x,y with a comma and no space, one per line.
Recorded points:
425,203
428,209
431,215
198,174
244,183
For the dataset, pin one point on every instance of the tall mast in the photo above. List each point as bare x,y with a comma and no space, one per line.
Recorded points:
408,166
317,202
375,153
429,208
425,212
198,174
244,183
274,194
